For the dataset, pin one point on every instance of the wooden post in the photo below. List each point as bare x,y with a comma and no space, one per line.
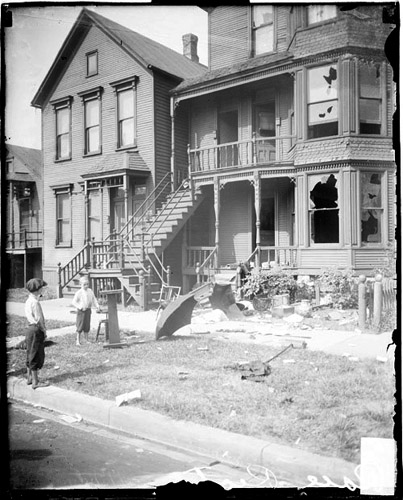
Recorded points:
142,253
377,300
239,280
197,270
257,186
217,188
59,281
317,293
362,303
122,255
169,275
254,155
142,290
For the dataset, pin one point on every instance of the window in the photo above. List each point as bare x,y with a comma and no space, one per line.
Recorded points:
322,102
92,120
370,98
323,209
94,214
320,13
63,216
262,29
126,112
371,207
92,63
63,128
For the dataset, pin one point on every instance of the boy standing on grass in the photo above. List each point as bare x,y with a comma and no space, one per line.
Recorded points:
83,300
36,332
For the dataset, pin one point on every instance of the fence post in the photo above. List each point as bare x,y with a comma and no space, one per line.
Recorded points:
59,281
362,303
239,280
317,293
377,300
122,255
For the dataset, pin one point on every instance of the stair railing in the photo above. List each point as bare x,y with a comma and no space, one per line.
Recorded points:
166,211
76,264
210,259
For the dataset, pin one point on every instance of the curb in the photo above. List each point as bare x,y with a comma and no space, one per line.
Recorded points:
291,464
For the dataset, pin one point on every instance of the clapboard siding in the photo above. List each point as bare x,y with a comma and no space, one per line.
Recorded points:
235,223
369,258
181,141
228,36
321,258
392,212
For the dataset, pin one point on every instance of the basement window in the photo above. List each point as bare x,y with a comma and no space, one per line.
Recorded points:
323,209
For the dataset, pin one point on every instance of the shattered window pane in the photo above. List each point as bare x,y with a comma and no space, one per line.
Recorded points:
263,39
323,110
319,13
324,211
371,207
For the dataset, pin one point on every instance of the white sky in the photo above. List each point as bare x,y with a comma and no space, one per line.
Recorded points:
37,34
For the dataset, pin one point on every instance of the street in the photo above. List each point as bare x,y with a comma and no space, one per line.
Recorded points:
48,453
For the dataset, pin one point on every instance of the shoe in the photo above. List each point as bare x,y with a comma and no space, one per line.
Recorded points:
78,343
40,384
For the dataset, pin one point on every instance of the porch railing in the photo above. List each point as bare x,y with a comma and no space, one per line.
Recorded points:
246,153
279,255
24,239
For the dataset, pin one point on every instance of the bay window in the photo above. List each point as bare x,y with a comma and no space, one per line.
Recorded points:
370,98
371,207
323,209
323,104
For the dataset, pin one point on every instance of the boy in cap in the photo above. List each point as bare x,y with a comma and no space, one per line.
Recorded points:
36,332
83,300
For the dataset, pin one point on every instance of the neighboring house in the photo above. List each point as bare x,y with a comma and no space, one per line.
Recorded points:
106,129
23,175
290,140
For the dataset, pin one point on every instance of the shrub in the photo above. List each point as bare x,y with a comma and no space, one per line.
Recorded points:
342,287
269,283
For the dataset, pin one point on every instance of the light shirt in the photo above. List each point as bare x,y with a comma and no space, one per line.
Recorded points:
34,313
84,299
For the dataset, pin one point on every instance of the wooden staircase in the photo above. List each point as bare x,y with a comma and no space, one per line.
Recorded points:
133,257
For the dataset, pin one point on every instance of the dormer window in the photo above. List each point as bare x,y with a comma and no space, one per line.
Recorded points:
262,29
92,63
320,13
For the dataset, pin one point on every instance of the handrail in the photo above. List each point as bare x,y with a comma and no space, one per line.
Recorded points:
209,257
21,239
74,266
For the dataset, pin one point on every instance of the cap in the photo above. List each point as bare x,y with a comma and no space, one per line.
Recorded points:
35,284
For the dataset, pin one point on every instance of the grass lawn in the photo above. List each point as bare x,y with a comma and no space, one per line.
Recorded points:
17,325
321,403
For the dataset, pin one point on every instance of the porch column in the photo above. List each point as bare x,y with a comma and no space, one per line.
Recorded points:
217,217
86,212
126,196
173,180
257,186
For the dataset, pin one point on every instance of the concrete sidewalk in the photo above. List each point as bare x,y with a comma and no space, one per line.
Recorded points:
289,464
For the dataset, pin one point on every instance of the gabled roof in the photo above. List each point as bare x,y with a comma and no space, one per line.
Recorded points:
147,52
30,158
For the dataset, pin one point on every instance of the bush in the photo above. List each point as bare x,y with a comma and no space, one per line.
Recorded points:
268,284
342,287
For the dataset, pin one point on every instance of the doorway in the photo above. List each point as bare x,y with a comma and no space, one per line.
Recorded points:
228,133
117,212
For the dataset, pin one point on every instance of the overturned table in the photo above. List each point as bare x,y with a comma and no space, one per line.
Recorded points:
113,339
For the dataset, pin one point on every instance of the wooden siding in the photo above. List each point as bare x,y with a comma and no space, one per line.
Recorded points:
313,258
369,258
203,125
235,223
228,36
391,205
114,65
181,133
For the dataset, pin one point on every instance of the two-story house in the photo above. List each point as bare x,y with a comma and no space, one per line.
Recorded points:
106,139
288,138
23,232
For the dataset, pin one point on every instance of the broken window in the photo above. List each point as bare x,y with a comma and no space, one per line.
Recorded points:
320,13
370,98
371,207
324,209
323,113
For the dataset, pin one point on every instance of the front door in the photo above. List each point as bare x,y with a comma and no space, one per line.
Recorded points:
265,128
139,207
228,133
117,209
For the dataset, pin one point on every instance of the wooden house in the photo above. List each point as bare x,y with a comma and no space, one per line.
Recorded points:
23,232
288,140
106,138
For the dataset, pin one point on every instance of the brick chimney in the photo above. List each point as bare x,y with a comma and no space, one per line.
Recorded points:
190,46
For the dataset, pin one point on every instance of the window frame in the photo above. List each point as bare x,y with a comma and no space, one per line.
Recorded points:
328,19
311,210
382,209
58,191
128,84
336,66
380,100
88,55
254,29
58,106
86,97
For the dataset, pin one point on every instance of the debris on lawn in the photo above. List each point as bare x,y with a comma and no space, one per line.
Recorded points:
255,370
381,359
39,421
285,361
203,348
69,419
127,397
